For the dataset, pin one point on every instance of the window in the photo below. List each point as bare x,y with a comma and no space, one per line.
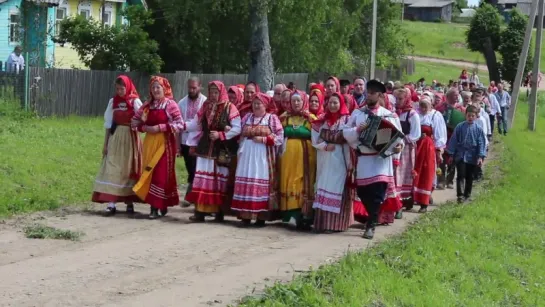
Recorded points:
107,18
61,15
14,27
85,13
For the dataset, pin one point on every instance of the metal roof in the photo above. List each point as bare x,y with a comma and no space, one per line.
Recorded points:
47,2
431,3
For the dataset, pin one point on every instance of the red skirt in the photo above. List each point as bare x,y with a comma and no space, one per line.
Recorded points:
425,169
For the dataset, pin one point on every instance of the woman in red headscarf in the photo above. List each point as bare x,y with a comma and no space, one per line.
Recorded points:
256,177
218,125
332,85
250,92
350,102
285,103
122,152
236,95
297,163
161,120
316,102
334,181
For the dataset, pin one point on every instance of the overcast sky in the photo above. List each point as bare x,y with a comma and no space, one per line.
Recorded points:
472,2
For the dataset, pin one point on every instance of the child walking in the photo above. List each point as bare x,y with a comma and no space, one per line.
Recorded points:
467,147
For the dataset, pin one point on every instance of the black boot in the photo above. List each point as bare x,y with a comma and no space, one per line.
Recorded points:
164,212
154,213
369,233
260,223
130,209
423,209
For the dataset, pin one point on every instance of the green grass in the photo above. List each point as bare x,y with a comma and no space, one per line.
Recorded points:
440,72
488,253
45,232
446,41
48,163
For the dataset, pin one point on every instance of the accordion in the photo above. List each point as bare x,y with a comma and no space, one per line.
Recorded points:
380,135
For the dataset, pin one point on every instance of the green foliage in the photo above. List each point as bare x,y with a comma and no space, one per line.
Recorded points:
511,46
305,36
113,48
38,231
486,23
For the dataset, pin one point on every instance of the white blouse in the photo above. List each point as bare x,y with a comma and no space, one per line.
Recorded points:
109,113
437,122
414,121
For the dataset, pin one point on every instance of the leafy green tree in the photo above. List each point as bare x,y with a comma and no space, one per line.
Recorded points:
113,48
484,36
511,46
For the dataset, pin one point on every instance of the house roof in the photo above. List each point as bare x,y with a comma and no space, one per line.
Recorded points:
468,13
425,3
431,3
48,2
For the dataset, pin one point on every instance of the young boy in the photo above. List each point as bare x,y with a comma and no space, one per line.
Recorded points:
467,147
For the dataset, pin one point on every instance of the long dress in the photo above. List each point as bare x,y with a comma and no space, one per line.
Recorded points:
157,186
209,189
434,136
297,169
256,177
333,200
410,124
122,164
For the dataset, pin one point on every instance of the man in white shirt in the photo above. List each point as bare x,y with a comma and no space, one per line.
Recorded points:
15,61
189,106
504,100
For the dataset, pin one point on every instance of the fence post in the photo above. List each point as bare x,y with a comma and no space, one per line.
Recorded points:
27,76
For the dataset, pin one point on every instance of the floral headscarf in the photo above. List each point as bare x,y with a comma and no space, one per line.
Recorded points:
320,95
238,93
304,110
270,106
209,106
163,82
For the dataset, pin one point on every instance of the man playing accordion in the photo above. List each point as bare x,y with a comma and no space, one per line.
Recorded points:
375,169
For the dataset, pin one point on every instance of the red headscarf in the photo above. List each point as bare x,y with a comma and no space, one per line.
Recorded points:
304,110
319,87
320,95
208,106
337,84
407,104
130,93
270,106
332,118
236,90
246,106
350,102
164,84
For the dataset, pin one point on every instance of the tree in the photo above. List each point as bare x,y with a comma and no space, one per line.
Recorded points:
261,62
484,36
113,48
511,47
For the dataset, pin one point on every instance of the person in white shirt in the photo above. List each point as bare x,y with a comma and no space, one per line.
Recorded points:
373,172
504,100
15,61
495,111
189,106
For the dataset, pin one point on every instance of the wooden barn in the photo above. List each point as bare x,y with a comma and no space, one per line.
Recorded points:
428,10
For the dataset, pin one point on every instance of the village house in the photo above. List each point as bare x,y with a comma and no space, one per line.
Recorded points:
428,10
33,23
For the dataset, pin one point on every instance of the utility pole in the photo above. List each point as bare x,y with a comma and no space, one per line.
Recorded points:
532,103
522,62
402,10
373,41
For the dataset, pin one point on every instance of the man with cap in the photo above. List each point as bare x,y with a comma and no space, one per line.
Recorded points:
374,173
345,86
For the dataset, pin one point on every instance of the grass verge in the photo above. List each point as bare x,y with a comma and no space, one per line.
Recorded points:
488,253
446,41
440,72
49,163
45,232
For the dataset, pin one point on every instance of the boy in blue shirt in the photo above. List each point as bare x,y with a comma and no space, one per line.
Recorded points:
467,147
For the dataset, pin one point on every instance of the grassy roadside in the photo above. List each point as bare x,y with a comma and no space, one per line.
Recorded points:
440,72
48,163
446,41
489,253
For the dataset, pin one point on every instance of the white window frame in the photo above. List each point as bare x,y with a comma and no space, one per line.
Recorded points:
85,7
14,27
109,13
58,20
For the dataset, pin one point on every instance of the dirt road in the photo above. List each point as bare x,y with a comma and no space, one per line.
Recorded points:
167,262
468,65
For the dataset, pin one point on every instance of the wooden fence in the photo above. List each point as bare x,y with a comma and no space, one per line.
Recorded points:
63,92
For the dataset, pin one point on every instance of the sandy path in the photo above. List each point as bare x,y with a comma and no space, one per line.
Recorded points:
166,262
462,64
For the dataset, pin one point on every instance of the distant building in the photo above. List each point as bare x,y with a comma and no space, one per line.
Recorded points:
467,13
505,6
428,10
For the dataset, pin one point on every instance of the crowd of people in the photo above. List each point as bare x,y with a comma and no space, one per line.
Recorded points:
289,154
